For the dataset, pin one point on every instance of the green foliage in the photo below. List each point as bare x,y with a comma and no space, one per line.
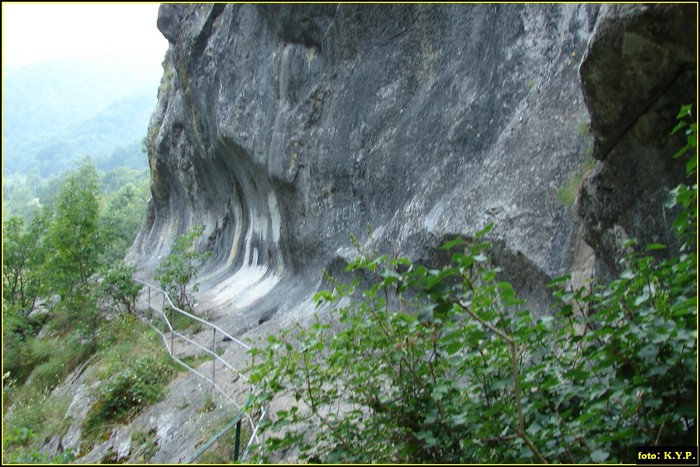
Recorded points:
195,360
22,354
408,373
24,252
567,194
123,338
130,362
134,371
448,366
684,196
181,266
119,287
121,218
139,383
61,251
145,445
74,233
36,417
79,313
30,454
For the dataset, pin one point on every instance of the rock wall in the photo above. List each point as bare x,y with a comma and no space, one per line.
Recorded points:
283,128
640,67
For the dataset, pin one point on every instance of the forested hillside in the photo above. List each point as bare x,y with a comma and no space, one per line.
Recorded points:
56,113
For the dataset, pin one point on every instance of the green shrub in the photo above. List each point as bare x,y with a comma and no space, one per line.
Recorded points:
179,268
138,384
21,357
119,287
145,445
36,417
49,374
448,366
18,448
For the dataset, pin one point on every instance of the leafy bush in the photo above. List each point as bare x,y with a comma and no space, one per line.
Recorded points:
49,374
36,417
78,314
30,454
132,369
119,287
140,383
181,266
448,366
23,254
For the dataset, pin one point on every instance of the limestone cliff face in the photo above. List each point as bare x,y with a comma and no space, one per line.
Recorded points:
283,128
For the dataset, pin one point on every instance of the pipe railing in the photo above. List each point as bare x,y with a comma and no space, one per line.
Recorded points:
215,357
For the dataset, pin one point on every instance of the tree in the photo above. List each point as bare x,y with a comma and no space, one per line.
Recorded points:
121,218
24,252
119,287
74,233
179,268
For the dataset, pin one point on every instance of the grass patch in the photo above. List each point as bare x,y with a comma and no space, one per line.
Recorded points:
178,321
145,445
135,371
41,365
195,360
123,339
221,452
568,193
139,383
130,362
208,404
36,417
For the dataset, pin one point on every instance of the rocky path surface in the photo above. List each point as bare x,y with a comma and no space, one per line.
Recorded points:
193,411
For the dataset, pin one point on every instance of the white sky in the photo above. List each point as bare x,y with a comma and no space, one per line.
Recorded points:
38,32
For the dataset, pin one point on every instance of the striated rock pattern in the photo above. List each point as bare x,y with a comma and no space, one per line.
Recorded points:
283,128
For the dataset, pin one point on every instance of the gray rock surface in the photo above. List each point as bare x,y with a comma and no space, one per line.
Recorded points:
283,129
286,129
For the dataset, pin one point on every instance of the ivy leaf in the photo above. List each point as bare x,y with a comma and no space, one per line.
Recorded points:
599,455
686,111
484,231
680,125
453,347
656,246
453,243
428,437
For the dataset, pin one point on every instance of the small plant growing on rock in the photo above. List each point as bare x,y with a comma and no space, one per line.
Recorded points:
177,271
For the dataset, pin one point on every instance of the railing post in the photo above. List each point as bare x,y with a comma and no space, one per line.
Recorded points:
172,331
237,445
213,358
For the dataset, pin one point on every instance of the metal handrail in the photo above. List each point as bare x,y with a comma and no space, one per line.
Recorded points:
189,315
254,426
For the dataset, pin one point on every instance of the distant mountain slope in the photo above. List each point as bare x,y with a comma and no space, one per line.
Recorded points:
58,111
123,123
